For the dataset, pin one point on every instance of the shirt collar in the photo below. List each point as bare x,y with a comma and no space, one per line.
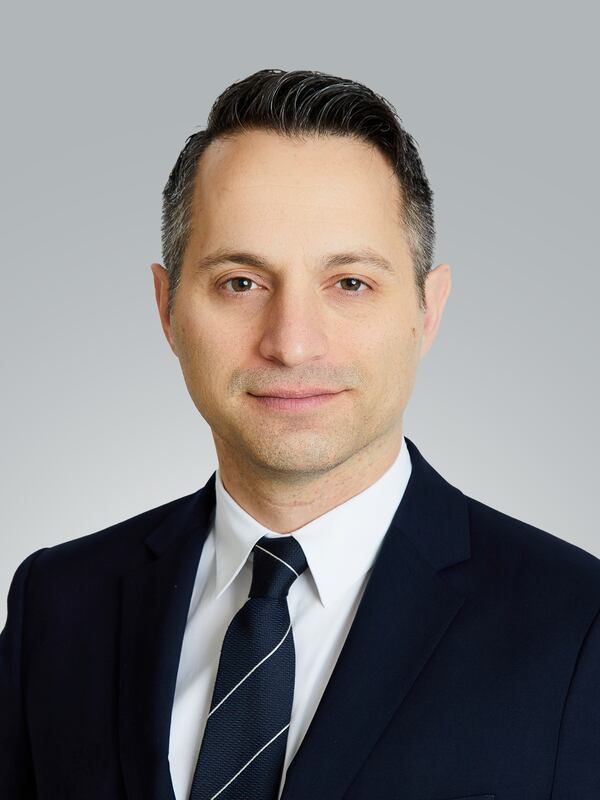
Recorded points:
355,529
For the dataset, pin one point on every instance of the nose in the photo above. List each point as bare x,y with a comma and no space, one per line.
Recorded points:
294,330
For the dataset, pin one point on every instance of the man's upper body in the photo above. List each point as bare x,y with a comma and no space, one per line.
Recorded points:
469,664
299,296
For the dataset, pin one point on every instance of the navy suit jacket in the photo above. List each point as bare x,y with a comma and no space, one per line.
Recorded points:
472,668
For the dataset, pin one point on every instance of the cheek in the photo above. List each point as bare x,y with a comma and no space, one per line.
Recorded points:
193,328
195,350
395,361
390,345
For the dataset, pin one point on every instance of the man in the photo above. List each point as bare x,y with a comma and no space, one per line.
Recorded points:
327,617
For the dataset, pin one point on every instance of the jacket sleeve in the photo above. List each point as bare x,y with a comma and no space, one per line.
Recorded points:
17,779
577,767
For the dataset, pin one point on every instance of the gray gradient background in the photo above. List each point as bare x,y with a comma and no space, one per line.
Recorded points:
97,424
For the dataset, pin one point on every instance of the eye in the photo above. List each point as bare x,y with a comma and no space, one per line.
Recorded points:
354,282
237,278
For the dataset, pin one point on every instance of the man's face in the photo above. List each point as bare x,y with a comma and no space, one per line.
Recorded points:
242,328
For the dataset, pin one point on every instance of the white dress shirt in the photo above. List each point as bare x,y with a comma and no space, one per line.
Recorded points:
340,547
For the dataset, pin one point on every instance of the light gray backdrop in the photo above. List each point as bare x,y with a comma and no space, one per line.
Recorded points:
97,424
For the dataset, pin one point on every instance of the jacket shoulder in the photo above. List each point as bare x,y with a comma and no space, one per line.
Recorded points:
112,548
523,554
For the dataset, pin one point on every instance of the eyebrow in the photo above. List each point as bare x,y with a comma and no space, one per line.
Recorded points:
363,255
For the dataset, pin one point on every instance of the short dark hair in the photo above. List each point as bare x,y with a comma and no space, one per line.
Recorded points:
294,104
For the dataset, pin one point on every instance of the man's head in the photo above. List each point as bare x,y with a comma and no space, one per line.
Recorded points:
297,239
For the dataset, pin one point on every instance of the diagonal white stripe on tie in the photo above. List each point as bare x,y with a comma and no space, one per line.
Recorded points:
264,549
262,661
250,761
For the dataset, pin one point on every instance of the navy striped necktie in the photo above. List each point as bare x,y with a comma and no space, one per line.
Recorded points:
244,744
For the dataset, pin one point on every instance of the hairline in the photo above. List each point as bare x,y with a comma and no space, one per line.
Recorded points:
300,136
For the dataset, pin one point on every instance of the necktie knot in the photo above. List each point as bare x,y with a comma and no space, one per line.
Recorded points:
277,564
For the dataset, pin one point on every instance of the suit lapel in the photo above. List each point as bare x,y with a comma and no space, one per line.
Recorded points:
155,602
405,611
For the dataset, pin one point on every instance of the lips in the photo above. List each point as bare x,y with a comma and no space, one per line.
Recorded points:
291,393
295,403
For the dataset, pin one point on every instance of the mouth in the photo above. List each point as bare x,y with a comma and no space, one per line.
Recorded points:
299,400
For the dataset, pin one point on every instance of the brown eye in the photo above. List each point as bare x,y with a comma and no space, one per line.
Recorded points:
353,286
244,283
240,278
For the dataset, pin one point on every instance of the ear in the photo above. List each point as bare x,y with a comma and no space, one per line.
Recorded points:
437,289
161,292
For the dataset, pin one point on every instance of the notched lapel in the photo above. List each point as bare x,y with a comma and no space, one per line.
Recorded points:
155,603
405,611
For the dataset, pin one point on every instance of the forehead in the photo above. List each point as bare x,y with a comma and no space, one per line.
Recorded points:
317,178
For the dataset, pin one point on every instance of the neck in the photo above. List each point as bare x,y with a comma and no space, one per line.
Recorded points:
285,502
